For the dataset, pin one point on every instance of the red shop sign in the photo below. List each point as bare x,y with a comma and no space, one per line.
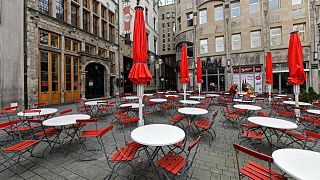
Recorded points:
246,69
236,70
257,68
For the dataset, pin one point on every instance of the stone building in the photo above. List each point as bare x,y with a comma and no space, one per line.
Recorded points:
233,37
167,47
70,49
127,13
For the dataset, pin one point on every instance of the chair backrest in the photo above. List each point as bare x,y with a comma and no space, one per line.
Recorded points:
105,130
313,134
9,123
87,120
80,101
39,104
253,153
195,143
65,111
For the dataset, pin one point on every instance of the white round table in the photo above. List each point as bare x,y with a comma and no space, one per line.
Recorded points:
95,103
189,91
237,100
147,94
313,111
130,97
192,111
171,91
161,92
159,100
300,164
65,120
282,95
157,135
171,95
294,103
273,123
248,107
197,97
191,102
227,93
253,96
43,112
212,95
187,94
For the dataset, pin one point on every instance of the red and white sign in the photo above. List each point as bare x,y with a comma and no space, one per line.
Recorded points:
127,19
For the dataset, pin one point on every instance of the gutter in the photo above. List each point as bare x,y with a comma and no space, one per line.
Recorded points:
25,67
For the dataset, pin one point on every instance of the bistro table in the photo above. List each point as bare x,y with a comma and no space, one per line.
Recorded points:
213,95
247,107
190,102
192,112
171,95
197,97
157,135
63,122
243,101
131,105
158,100
148,95
272,124
298,163
130,97
187,94
282,95
95,106
314,111
299,103
43,112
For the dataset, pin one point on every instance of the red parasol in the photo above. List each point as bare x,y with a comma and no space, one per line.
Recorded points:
184,69
139,73
269,75
296,70
199,74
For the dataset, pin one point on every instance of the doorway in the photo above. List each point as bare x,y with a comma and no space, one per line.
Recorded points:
128,86
95,80
72,78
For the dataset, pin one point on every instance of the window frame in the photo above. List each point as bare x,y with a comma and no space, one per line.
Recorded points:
203,17
216,43
275,35
218,12
232,11
232,41
254,38
204,47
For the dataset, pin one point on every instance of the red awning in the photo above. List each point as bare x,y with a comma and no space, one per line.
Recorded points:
297,75
184,67
139,73
199,71
269,75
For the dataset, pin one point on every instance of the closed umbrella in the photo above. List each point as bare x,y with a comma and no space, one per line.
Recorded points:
269,75
199,74
139,73
184,70
297,75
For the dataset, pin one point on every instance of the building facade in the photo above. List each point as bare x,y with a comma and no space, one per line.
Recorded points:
167,48
127,13
233,37
70,49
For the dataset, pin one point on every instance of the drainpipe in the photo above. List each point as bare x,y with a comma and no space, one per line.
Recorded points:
119,73
25,68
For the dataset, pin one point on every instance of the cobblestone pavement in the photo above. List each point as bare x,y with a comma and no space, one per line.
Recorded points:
217,161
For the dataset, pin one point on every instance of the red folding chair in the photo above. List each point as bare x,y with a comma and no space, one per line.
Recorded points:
24,126
313,135
6,127
253,170
177,164
66,112
205,125
39,105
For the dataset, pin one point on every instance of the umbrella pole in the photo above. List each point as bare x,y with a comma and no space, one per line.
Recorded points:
269,88
296,91
184,90
140,90
199,84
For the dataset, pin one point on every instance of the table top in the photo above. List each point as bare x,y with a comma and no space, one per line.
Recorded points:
171,91
273,122
65,120
313,111
135,106
95,103
131,97
253,96
213,95
159,100
44,111
294,103
197,97
147,94
248,107
187,94
282,95
192,111
300,164
189,102
171,95
237,100
157,135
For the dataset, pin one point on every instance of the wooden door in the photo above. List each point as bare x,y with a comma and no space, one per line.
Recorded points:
49,77
72,78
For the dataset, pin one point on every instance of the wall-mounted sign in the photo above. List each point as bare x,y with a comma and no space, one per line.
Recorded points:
127,19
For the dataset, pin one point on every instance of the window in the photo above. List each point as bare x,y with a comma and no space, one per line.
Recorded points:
96,25
104,29
274,4
154,23
253,6
189,19
86,4
86,20
102,52
236,41
90,49
112,33
173,15
162,16
112,17
203,16
203,46
296,2
218,13
168,15
235,9
112,55
43,6
179,23
301,28
104,12
219,44
95,7
255,39
174,28
147,18
155,44
49,39
67,44
74,15
60,5
190,51
275,36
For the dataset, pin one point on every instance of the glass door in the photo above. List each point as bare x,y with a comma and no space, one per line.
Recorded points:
72,78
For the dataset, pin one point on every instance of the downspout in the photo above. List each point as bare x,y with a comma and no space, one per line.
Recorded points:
25,67
119,73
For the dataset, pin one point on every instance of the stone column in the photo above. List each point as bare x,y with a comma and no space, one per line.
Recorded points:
62,71
83,83
68,11
53,9
81,15
99,21
107,83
